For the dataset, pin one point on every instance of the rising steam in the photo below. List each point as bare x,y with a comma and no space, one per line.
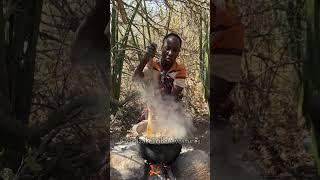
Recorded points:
168,117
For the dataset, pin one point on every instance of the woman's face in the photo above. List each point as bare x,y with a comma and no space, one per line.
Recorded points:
170,51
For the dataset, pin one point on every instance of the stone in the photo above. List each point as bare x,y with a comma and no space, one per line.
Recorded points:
126,164
193,164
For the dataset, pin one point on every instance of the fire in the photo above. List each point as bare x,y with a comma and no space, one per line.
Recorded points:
149,125
155,129
154,169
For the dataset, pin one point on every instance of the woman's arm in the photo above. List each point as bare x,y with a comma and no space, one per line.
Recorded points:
151,50
177,92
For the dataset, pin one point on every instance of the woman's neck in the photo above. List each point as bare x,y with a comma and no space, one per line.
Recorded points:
163,67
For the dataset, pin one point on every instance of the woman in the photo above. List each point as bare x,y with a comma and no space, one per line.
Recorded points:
164,75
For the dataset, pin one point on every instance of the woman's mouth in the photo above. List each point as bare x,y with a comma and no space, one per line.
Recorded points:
168,59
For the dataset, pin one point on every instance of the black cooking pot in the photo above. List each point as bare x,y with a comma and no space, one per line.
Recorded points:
158,151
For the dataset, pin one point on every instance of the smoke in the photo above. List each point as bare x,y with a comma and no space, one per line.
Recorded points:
169,118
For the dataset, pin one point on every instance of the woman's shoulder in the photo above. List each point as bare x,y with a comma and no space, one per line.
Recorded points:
181,66
154,64
181,71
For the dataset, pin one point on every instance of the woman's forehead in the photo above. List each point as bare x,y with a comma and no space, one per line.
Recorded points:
172,40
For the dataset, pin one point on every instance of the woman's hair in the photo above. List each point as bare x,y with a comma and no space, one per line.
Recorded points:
173,34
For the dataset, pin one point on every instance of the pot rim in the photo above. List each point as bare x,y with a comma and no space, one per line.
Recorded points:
157,141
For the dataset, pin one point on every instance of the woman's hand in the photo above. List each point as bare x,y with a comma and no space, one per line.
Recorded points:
151,50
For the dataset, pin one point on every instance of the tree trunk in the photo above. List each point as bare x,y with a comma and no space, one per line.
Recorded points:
90,54
294,18
18,53
312,73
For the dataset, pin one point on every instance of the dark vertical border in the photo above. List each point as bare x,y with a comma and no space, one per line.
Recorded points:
212,12
108,81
